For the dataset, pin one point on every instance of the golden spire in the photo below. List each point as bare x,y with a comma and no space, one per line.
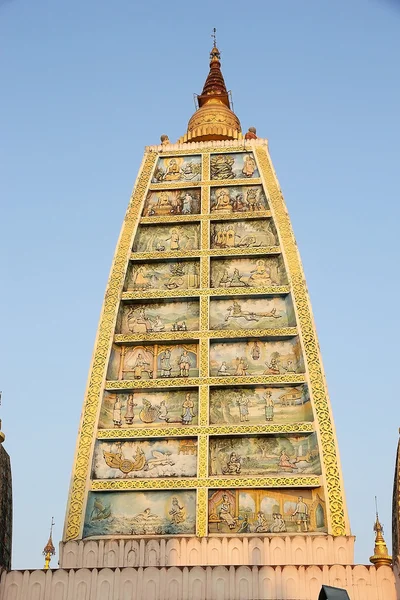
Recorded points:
214,119
49,550
381,555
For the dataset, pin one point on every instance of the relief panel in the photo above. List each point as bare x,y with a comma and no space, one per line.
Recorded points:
154,317
145,459
238,165
251,233
256,405
177,168
263,312
140,513
165,203
164,275
248,272
167,238
153,361
238,199
264,455
149,408
266,511
258,357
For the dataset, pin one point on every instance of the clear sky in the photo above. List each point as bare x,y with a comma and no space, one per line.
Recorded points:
85,86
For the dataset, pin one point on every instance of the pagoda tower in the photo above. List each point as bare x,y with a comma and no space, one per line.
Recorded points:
206,413
206,464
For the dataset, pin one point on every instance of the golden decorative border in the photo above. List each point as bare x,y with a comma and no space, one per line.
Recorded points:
206,482
335,494
127,338
86,436
217,183
196,253
156,220
128,384
261,291
193,430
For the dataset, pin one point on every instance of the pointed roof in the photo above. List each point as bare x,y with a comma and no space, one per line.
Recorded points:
214,119
381,555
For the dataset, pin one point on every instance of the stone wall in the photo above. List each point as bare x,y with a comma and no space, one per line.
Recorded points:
5,509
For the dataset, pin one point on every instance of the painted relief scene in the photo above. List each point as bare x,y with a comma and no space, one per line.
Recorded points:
258,357
145,459
168,275
264,455
237,199
177,168
240,165
159,317
250,233
247,272
153,362
165,203
149,408
256,405
263,312
266,511
141,513
167,238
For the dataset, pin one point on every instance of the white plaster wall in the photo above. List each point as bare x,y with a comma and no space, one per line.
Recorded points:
198,583
251,551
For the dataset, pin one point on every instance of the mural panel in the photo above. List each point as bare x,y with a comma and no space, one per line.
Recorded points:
256,405
177,168
167,238
154,317
251,233
240,165
141,513
266,511
264,312
150,408
153,361
145,459
258,357
168,275
172,202
248,272
236,199
264,455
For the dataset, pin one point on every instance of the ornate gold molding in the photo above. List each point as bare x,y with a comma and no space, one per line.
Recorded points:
335,495
203,253
208,217
175,185
203,428
174,382
207,482
261,291
128,338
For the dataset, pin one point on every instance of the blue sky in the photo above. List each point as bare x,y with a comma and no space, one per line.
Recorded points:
85,86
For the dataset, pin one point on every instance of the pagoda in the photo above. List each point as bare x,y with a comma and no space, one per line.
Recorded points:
207,464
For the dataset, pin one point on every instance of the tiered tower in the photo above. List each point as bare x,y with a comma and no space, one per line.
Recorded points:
207,413
206,463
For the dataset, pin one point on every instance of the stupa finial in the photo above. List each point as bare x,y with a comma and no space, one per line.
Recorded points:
49,550
214,119
381,555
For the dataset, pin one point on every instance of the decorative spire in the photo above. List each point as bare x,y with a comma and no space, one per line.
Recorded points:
214,119
381,556
49,550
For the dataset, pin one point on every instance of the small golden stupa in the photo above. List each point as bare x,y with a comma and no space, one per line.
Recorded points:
214,119
49,550
381,555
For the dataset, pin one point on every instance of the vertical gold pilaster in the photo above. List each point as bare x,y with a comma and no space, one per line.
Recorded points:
203,405
202,456
201,512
